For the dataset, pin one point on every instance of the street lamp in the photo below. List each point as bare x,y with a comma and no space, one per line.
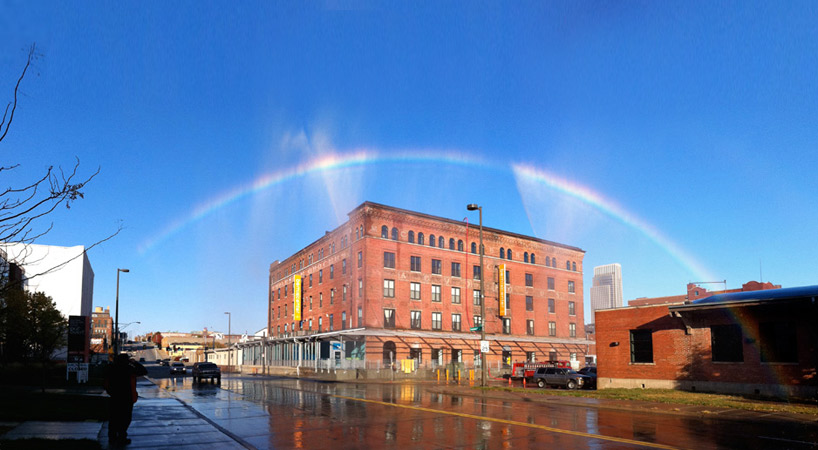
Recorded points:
229,352
116,337
483,373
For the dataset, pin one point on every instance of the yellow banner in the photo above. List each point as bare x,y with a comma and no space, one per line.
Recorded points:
501,280
297,298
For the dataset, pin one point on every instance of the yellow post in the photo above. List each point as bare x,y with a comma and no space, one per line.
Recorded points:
471,375
447,375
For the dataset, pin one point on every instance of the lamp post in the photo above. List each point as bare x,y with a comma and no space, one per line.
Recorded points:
116,337
483,368
229,351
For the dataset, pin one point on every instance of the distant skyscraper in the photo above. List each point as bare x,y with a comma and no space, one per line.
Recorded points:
606,288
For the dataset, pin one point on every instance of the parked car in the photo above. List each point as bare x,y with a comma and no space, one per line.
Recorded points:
559,376
589,371
202,370
164,362
177,367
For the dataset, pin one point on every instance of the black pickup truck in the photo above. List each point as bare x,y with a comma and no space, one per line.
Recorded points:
558,376
202,370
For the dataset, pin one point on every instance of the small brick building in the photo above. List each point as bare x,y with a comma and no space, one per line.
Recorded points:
391,284
752,342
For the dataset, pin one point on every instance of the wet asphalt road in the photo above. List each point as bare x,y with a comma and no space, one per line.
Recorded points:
285,413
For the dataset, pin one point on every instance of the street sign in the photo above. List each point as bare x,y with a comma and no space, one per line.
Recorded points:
477,328
484,346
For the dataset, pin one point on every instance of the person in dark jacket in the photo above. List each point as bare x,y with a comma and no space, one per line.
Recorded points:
120,383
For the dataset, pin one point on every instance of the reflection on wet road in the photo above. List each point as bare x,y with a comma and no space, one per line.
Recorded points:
283,413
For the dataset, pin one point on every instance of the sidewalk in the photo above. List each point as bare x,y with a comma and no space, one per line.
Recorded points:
159,422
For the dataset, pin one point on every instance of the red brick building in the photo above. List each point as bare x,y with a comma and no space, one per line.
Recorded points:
391,284
743,341
102,325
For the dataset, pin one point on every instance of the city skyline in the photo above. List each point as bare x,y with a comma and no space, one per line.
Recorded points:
676,139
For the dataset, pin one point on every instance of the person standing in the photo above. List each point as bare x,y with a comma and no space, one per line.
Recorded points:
120,383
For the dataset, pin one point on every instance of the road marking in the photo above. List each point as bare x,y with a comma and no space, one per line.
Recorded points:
513,422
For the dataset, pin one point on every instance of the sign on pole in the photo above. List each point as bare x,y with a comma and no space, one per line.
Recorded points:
501,279
484,346
297,298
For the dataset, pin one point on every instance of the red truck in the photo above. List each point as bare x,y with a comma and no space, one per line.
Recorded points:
526,370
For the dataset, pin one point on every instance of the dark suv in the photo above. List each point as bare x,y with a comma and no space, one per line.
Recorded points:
203,370
558,376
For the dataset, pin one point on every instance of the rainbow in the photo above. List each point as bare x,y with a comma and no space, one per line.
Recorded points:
333,161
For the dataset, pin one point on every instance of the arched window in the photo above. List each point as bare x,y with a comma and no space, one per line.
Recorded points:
554,262
574,266
525,257
432,240
394,234
508,254
502,253
385,232
567,265
547,261
460,245
357,234
451,243
362,231
411,237
420,238
533,259
441,242
474,247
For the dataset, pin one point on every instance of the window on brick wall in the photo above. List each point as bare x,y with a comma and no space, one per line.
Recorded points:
415,320
529,280
385,232
320,276
641,346
389,260
726,343
360,259
572,309
360,316
456,269
414,291
779,343
435,293
420,238
476,272
552,328
477,320
437,267
411,237
476,297
389,288
455,295
529,303
388,318
432,240
551,283
414,264
455,322
394,234
529,327
506,325
437,321
552,307
344,266
571,288
572,330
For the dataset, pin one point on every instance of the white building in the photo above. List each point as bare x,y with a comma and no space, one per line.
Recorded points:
606,288
62,273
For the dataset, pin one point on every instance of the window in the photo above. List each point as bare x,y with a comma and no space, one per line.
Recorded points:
502,253
476,297
394,234
574,266
360,288
389,288
506,325
420,238
332,296
357,234
567,265
572,330
432,240
451,243
435,293
473,247
310,325
385,232
531,357
320,299
310,302
343,320
476,272
529,280
525,257
779,343
441,242
320,323
508,277
437,266
389,260
529,303
533,259
552,328
508,302
572,309
331,326
415,320
344,266
310,280
548,261
641,346
411,237
456,295
414,291
477,320
360,259
388,318
529,327
320,276
360,316
554,262
571,287
331,272
460,245
455,322
725,342
344,296
552,356
508,254
456,269
415,264
551,283
437,321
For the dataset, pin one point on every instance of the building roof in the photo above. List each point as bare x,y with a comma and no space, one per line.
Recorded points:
751,297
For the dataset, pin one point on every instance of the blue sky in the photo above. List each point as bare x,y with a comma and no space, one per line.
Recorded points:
677,139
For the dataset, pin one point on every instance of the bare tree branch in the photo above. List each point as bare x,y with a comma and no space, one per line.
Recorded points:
13,104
